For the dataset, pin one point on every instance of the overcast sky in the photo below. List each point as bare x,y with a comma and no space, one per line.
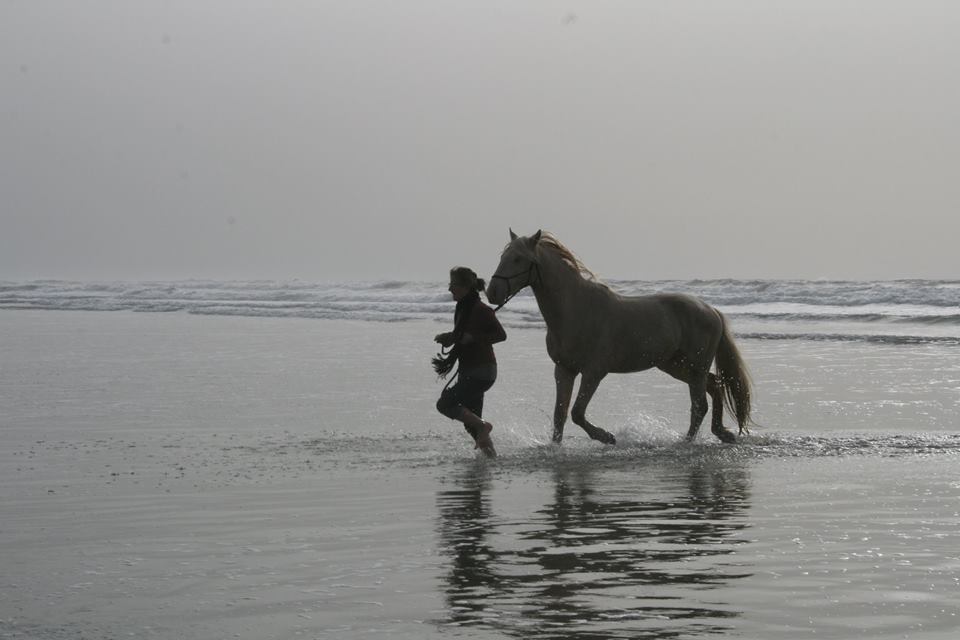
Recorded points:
329,140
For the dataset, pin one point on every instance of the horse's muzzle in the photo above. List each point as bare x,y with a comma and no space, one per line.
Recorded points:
497,291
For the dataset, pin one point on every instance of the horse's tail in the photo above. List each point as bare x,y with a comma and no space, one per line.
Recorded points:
734,377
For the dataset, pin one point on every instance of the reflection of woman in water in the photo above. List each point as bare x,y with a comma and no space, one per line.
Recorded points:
465,520
476,330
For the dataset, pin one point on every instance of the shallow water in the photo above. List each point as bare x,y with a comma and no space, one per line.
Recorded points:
702,550
172,476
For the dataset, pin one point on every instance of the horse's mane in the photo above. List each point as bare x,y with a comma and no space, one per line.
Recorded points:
549,242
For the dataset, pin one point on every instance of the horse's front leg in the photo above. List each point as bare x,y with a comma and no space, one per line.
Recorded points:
564,378
588,386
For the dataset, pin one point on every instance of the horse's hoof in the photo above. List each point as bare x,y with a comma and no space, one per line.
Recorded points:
726,436
604,437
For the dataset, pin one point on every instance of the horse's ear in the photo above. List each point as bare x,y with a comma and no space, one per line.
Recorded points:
513,236
535,238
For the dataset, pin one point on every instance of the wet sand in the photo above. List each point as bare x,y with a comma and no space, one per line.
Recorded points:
168,475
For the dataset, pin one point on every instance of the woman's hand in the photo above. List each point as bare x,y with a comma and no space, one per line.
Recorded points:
445,339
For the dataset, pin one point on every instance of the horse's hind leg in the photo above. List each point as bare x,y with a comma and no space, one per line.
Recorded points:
716,419
701,383
588,386
698,404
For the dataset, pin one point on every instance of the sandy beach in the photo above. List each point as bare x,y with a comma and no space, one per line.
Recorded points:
173,475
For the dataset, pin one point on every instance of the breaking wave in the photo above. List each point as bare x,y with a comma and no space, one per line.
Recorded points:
887,312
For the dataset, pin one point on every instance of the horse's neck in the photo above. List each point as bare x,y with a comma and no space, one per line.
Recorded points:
559,289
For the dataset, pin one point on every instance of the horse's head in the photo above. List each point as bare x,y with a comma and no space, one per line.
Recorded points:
517,268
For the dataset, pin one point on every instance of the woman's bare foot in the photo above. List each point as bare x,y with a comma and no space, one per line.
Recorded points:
484,443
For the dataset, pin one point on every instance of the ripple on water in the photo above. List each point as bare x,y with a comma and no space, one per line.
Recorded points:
522,452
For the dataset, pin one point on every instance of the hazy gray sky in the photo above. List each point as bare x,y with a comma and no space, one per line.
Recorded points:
364,140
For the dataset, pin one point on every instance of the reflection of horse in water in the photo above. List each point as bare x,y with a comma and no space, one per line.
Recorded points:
593,556
593,331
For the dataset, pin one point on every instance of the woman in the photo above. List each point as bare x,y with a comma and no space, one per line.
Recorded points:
476,330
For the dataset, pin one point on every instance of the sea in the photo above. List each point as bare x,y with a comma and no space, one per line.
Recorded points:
263,459
890,312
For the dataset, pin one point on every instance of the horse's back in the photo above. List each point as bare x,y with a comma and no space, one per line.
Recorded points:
673,309
699,324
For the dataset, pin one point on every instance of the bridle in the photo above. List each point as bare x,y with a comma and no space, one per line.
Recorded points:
534,267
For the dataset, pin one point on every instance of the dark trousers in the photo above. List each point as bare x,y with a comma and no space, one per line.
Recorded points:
467,393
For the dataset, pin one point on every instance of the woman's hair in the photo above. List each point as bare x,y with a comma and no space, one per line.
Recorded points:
466,278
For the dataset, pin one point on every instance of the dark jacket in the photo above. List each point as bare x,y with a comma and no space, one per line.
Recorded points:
486,331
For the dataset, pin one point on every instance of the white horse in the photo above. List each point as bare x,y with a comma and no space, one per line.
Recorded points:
593,331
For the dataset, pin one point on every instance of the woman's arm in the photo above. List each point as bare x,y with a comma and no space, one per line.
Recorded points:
445,339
